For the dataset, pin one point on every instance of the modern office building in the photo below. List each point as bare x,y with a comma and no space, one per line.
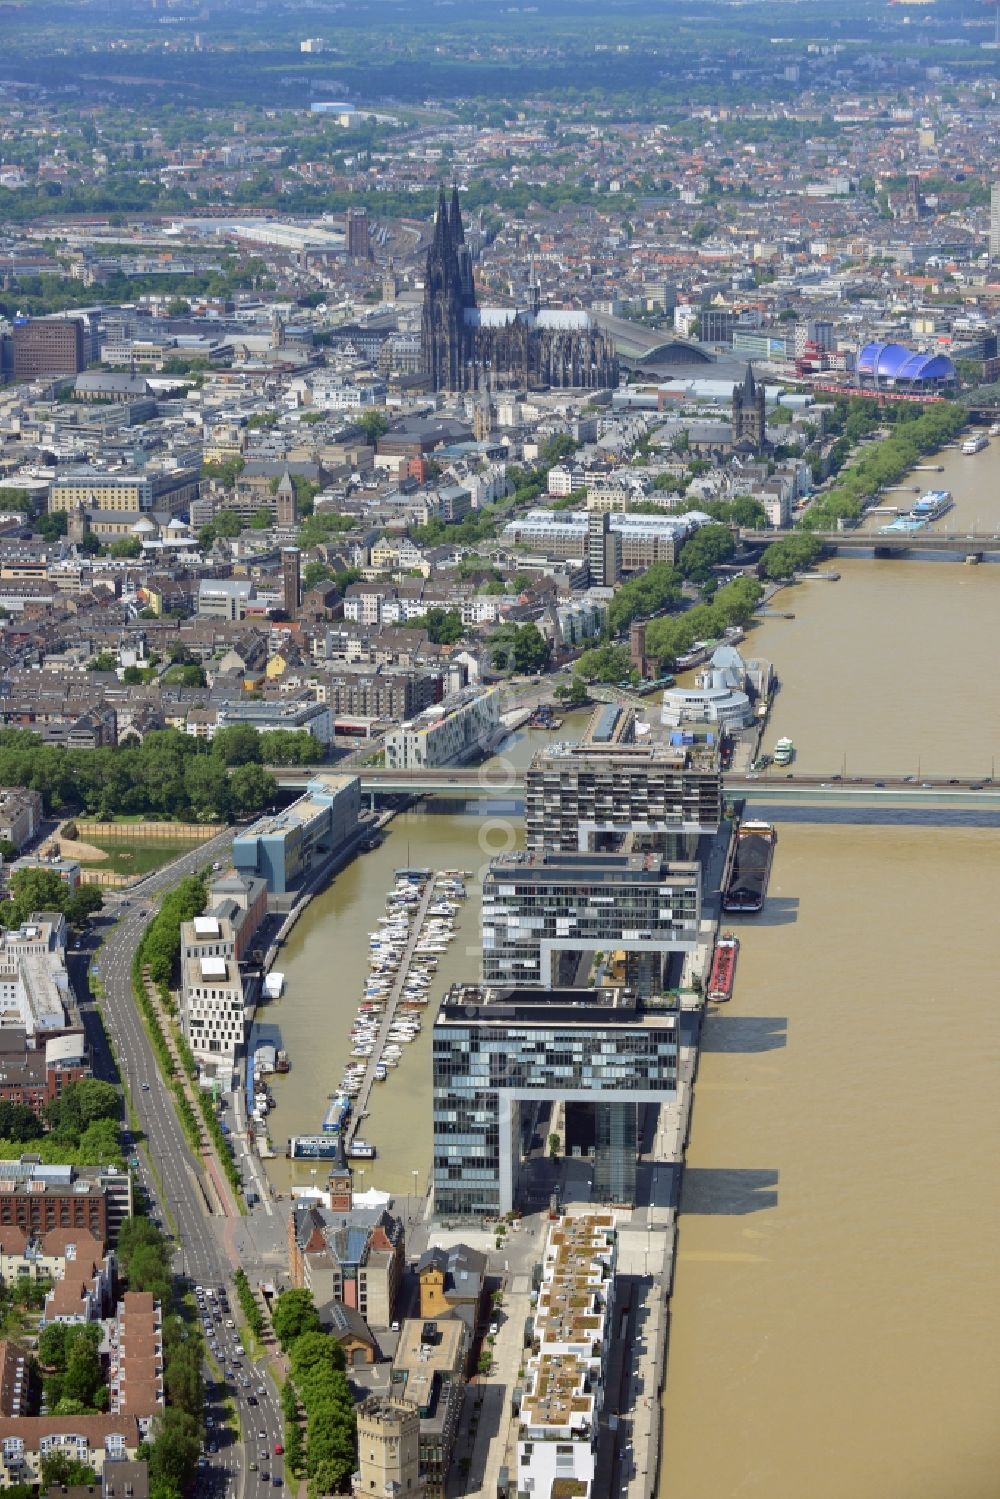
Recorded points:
995,222
284,850
288,713
591,796
498,1052
446,733
213,1012
571,1336
48,347
356,234
644,539
604,549
542,912
171,491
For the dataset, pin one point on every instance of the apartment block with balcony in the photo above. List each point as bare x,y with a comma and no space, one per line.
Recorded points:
592,796
447,733
542,911
559,1419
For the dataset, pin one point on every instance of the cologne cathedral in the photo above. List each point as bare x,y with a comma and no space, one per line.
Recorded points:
466,347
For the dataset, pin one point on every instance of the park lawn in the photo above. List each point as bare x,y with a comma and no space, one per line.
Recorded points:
136,856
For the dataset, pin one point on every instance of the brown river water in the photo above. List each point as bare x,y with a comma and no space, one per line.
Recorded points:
836,1322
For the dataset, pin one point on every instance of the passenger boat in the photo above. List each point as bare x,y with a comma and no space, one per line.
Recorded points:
784,750
720,979
750,867
360,1150
932,505
976,443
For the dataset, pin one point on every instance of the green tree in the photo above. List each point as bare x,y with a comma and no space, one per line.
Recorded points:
443,626
52,1345
59,1471
172,1452
262,520
519,648
18,1122
292,1315
239,744
374,424
709,546
789,555
604,663
129,547
85,901
251,788
103,661
50,527
83,1377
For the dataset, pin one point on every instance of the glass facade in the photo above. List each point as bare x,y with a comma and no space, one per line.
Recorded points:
536,908
494,1049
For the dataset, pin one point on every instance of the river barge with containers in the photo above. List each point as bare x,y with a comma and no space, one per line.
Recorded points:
723,971
750,867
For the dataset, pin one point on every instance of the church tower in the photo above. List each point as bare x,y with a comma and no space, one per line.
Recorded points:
748,413
446,339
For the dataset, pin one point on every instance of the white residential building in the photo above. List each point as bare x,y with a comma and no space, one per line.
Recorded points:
446,733
213,1013
571,1334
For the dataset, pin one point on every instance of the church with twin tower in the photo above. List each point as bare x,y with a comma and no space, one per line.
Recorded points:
466,347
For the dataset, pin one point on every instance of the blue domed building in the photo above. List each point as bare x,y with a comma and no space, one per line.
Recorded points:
894,367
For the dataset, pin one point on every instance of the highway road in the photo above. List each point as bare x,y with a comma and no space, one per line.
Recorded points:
174,1181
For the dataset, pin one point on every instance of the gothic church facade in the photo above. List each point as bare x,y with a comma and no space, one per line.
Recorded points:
466,347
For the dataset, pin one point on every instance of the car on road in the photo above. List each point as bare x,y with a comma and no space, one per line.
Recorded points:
276,1481
145,1087
278,1449
977,786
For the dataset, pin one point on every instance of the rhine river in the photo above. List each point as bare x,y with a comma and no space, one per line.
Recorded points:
836,1325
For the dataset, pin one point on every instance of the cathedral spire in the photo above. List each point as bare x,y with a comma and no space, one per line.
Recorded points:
441,236
455,219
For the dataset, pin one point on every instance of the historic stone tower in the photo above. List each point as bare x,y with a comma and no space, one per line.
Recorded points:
388,1449
748,413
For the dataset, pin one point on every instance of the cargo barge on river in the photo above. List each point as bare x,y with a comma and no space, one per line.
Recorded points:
720,980
750,868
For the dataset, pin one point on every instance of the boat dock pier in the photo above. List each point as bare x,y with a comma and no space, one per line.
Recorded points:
360,1107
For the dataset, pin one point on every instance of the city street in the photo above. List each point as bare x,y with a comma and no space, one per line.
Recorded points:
208,1245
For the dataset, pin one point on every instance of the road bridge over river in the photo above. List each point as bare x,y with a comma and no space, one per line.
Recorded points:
920,546
776,788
